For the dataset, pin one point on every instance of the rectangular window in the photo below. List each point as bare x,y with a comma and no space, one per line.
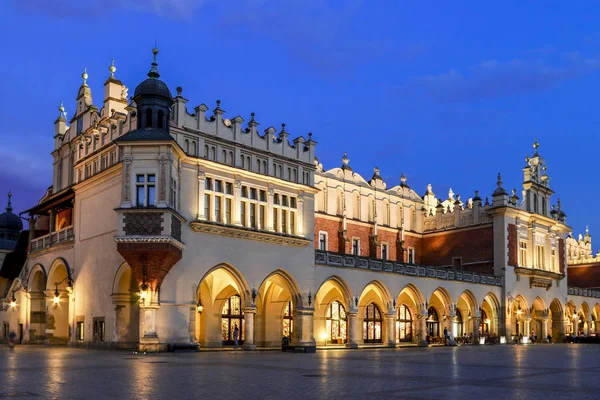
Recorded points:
553,259
384,251
523,253
228,211
293,202
292,223
276,199
99,330
262,217
323,241
228,188
356,247
263,195
284,221
145,190
253,215
457,263
243,213
540,257
79,330
208,184
218,217
253,194
207,206
245,191
219,186
275,219
174,193
284,200
411,255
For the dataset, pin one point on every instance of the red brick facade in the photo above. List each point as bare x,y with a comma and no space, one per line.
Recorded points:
513,260
561,255
472,246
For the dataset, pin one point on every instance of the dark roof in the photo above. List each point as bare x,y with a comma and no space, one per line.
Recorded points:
56,199
10,221
146,134
153,87
14,261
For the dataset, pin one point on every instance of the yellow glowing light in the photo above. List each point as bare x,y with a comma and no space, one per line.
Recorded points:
144,295
324,335
518,312
56,299
13,304
200,308
487,321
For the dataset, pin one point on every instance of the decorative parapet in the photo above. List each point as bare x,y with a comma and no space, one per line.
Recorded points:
575,291
539,277
325,258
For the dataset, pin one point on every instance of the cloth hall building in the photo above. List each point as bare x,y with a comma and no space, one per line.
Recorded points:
169,226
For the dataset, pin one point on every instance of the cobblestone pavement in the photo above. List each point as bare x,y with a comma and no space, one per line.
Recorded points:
481,372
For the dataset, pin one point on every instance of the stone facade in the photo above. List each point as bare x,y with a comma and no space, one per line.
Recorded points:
165,227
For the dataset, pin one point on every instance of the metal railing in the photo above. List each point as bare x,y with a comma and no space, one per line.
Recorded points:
52,239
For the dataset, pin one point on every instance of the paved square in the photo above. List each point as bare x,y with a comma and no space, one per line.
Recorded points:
484,372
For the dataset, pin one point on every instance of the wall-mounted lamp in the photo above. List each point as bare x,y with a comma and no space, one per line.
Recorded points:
56,296
13,302
253,295
144,292
309,298
199,306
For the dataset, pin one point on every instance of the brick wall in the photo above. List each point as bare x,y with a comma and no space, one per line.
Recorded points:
417,244
332,228
474,245
513,243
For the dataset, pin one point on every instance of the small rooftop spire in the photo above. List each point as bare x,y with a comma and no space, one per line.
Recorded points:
61,109
9,205
112,68
536,144
84,75
154,70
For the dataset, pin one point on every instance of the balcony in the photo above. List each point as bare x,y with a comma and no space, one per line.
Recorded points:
325,258
53,239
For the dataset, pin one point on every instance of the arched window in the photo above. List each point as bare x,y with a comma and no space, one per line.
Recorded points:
264,167
148,118
187,146
289,174
543,206
336,323
356,206
535,203
205,151
258,166
320,199
371,209
339,203
386,213
372,324
242,161
280,172
232,317
214,153
248,163
294,175
160,117
459,324
404,324
224,160
194,147
231,159
484,326
433,324
288,319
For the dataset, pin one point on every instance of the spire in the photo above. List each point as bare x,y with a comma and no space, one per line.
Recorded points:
345,162
112,68
499,190
61,110
84,76
9,205
536,144
154,70
403,180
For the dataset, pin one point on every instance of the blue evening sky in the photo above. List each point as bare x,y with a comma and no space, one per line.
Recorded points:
449,92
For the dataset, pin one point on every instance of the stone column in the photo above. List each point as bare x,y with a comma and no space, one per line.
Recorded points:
527,326
352,329
476,321
237,200
544,335
148,335
390,322
249,322
422,330
588,325
303,328
270,226
201,184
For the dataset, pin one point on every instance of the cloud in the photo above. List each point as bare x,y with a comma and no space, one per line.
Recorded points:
170,9
492,78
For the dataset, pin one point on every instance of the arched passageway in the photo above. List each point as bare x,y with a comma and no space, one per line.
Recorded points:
125,297
58,290
333,313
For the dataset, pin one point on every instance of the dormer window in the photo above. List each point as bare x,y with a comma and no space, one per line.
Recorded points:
79,125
